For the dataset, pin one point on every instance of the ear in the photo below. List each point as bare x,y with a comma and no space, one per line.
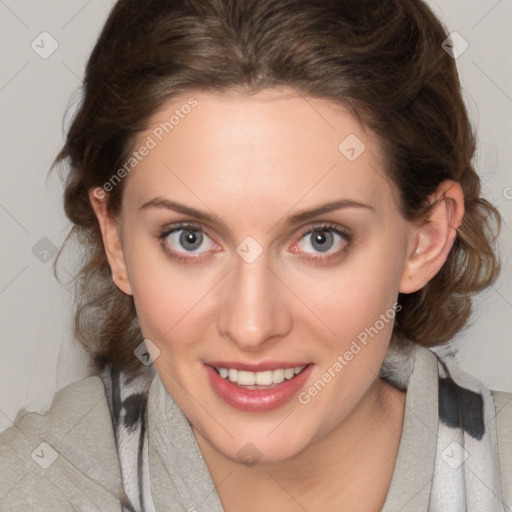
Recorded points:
110,231
432,238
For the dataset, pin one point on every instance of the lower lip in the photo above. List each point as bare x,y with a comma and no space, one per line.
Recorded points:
257,399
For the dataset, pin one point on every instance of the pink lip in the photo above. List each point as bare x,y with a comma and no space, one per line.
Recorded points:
257,400
256,367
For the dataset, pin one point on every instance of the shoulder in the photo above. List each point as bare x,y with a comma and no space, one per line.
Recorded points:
62,458
503,404
462,401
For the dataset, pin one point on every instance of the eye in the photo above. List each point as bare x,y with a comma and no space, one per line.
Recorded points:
190,243
180,241
323,239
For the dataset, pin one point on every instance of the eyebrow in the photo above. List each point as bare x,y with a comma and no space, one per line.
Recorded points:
160,202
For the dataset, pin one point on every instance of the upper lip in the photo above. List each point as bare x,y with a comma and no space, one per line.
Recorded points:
256,367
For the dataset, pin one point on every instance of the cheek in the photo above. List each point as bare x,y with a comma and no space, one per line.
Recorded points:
351,296
159,288
175,302
357,303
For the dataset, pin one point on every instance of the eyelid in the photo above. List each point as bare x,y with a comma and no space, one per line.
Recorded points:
177,226
326,226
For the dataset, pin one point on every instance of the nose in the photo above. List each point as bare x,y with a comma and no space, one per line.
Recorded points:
254,313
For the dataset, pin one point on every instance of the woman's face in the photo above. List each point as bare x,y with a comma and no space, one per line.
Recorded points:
254,281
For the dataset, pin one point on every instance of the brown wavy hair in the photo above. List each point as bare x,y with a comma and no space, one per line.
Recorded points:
382,59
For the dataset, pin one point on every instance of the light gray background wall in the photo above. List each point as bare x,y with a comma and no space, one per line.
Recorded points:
38,354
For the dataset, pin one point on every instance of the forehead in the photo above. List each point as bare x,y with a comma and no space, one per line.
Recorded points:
273,146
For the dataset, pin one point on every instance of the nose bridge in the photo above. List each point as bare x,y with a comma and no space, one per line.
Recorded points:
253,311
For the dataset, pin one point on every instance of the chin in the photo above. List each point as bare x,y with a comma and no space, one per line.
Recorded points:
261,447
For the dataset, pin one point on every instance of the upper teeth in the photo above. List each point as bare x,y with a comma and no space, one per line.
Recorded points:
266,378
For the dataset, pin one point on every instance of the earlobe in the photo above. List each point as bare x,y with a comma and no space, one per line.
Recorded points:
432,238
111,240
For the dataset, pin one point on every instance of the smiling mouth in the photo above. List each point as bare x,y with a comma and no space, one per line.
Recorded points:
266,379
274,385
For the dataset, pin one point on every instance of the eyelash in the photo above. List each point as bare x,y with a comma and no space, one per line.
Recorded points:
167,230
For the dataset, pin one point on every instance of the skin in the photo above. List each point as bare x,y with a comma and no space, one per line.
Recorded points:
251,162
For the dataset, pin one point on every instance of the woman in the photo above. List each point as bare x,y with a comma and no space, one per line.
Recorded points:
280,216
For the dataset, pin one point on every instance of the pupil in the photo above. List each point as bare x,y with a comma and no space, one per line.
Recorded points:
322,238
191,238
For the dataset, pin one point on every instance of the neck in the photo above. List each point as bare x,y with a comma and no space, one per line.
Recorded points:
361,450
